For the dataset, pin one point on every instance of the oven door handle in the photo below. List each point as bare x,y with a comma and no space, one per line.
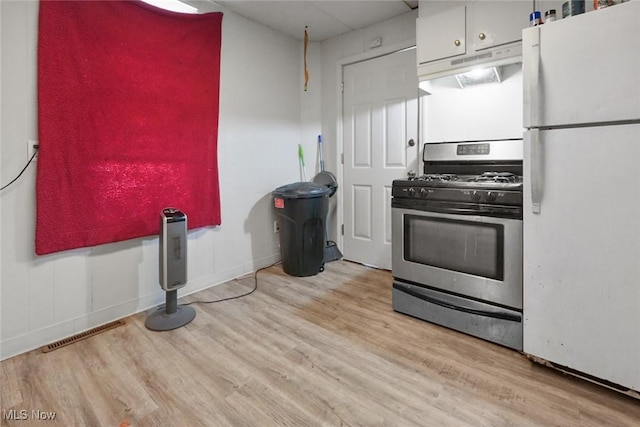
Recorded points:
493,314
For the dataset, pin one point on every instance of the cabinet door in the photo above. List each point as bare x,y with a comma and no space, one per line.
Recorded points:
496,23
441,35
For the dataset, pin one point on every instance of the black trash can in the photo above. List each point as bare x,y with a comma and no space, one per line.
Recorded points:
301,209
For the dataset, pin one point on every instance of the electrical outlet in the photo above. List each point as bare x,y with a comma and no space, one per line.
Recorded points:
276,227
31,149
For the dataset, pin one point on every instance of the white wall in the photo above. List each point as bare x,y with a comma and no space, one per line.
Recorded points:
261,110
490,111
311,105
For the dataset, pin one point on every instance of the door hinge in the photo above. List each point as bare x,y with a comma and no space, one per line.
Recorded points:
342,89
342,158
342,229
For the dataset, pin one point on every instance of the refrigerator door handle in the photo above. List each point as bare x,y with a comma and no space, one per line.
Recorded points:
531,53
532,140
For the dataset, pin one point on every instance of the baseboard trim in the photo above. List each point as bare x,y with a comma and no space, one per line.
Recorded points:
41,337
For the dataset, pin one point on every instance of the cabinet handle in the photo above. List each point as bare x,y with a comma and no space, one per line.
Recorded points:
482,36
457,43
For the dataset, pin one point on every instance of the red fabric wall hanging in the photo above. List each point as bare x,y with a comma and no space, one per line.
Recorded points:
127,121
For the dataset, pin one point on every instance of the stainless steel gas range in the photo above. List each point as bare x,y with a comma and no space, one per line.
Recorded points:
457,239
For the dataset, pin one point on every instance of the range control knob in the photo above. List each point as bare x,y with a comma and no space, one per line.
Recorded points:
475,196
424,192
491,196
412,191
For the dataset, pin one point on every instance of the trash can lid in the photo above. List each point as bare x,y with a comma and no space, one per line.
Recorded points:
301,190
328,180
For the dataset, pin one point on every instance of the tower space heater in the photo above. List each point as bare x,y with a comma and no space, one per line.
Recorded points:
173,272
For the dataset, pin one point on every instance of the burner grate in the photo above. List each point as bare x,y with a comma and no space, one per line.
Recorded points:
505,177
437,177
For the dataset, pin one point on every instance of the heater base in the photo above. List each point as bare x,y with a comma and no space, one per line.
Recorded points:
162,321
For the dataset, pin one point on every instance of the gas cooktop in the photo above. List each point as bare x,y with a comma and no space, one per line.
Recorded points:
502,177
498,180
487,172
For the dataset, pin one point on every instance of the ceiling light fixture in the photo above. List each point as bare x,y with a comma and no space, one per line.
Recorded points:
479,76
172,5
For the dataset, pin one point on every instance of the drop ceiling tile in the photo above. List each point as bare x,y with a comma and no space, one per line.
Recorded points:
325,18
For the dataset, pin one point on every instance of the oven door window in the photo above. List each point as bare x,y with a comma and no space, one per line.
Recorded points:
475,248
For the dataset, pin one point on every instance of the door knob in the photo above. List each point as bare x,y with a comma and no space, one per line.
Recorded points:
457,43
411,143
482,36
411,174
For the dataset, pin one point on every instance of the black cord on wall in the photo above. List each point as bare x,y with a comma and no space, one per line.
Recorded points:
23,169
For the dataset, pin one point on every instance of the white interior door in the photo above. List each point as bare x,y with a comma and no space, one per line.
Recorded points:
380,125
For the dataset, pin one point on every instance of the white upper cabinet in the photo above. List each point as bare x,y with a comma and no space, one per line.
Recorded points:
465,33
497,23
442,35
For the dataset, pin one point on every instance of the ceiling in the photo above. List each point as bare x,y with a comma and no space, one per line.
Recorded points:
325,19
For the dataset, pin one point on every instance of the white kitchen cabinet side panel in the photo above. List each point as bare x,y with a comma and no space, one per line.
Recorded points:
582,252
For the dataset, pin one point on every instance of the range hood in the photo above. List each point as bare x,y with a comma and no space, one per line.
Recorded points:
501,55
479,76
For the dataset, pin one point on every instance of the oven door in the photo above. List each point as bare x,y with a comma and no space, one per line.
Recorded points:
469,255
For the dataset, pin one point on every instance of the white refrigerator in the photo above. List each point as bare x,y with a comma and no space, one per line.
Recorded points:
581,307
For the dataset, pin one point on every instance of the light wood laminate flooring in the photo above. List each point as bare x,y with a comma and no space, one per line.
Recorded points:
326,350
